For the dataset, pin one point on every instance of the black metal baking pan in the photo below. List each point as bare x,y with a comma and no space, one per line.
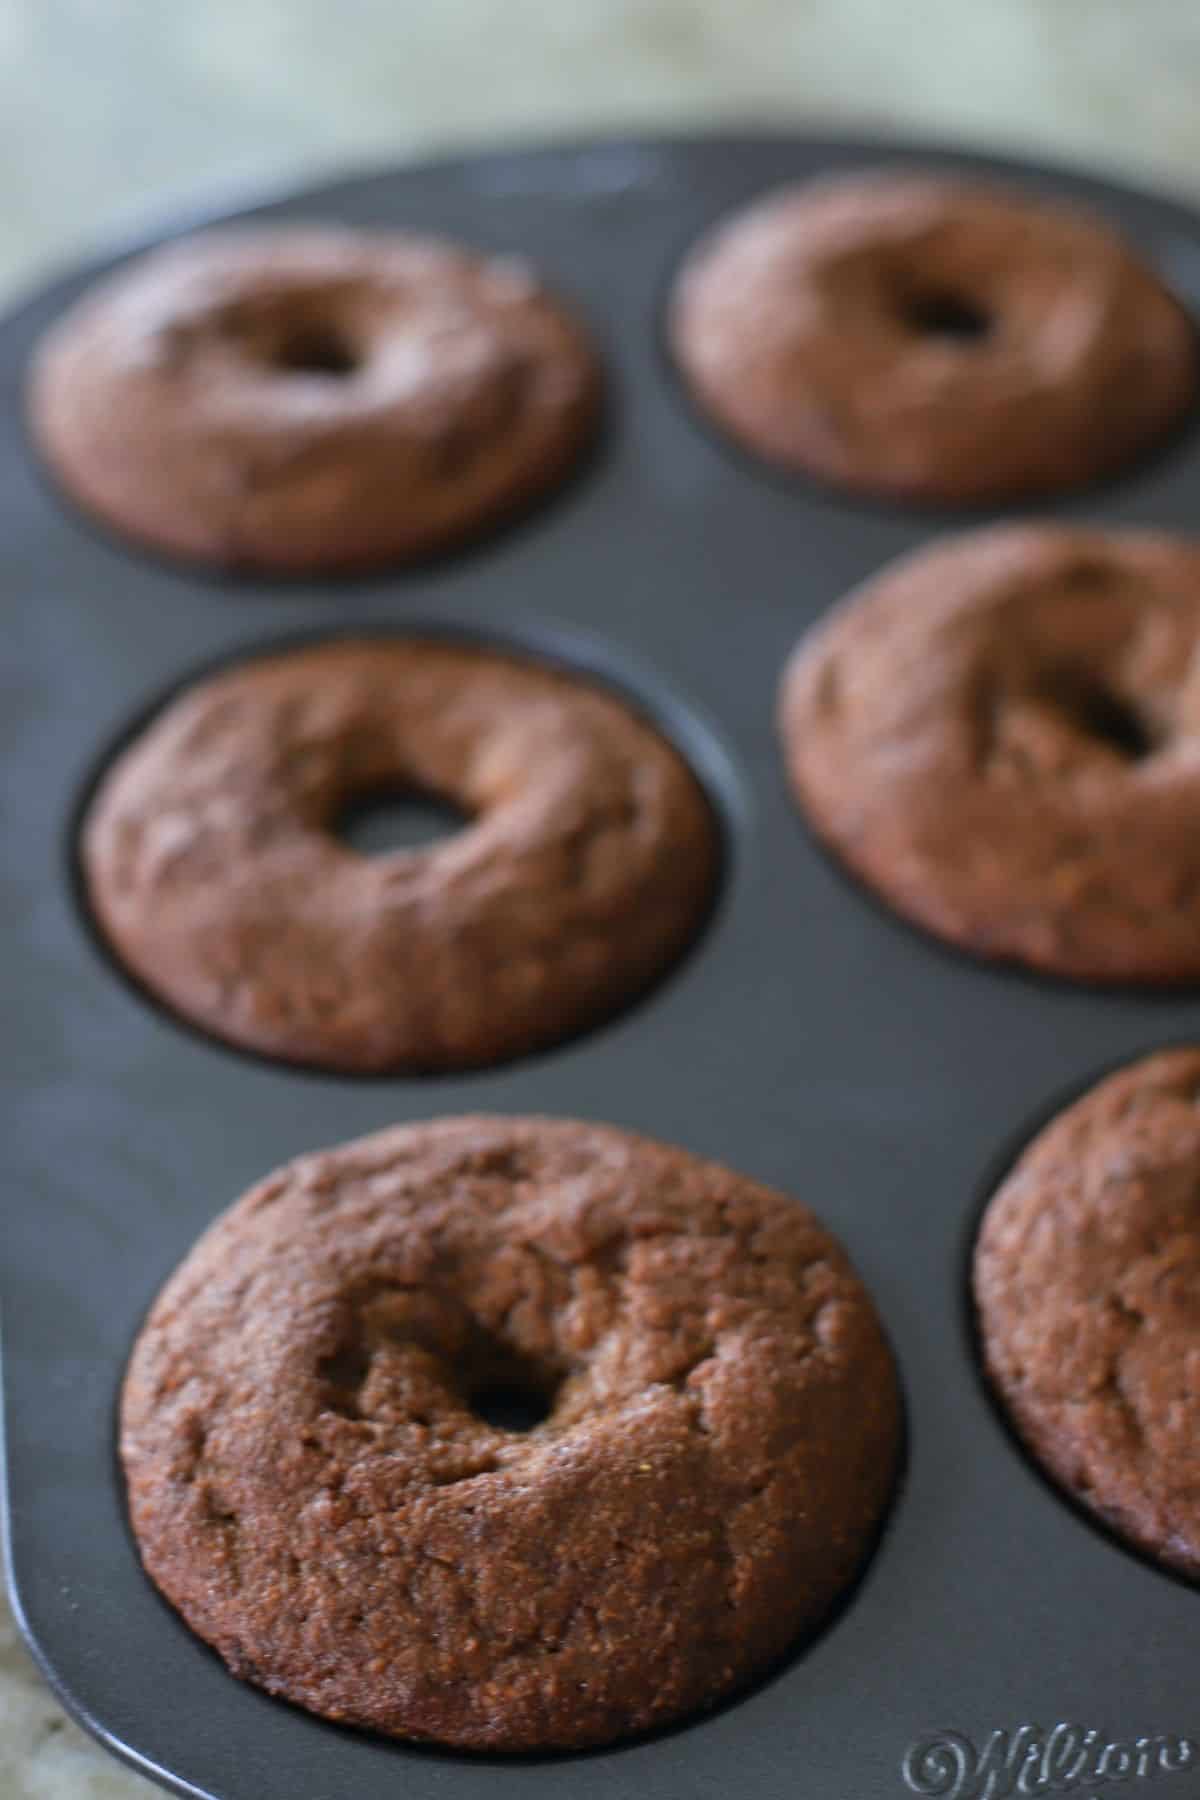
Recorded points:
809,1039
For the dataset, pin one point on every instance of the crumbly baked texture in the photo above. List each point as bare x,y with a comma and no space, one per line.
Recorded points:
312,397
1001,735
311,1485
931,338
214,869
1087,1280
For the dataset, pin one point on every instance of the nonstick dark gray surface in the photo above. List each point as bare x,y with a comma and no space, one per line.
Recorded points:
810,1040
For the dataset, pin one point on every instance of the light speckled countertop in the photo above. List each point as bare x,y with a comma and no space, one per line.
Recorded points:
114,111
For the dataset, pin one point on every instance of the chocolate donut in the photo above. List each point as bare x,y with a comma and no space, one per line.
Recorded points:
1087,1272
931,338
318,1483
214,870
1001,735
311,397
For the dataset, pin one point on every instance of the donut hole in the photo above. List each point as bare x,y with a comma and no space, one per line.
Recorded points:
387,819
290,336
509,1391
1100,712
511,1406
315,349
400,1348
945,313
346,1371
1087,574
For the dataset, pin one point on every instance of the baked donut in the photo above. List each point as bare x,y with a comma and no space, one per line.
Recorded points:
312,397
931,338
1001,735
315,1482
1087,1282
214,870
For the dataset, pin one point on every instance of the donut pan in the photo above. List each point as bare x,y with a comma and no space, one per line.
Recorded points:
809,1039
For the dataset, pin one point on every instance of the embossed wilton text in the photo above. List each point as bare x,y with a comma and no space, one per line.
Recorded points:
947,1766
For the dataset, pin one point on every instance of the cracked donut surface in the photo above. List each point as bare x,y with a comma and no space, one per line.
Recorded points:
312,397
931,338
214,868
1001,735
1087,1283
311,1485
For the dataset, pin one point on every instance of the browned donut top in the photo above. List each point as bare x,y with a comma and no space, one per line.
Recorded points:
1002,735
1087,1277
311,396
931,337
312,1485
214,869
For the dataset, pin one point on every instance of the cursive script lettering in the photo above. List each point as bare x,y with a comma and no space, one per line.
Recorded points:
1032,1762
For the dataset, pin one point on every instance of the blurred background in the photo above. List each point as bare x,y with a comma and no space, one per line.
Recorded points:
112,112
116,113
